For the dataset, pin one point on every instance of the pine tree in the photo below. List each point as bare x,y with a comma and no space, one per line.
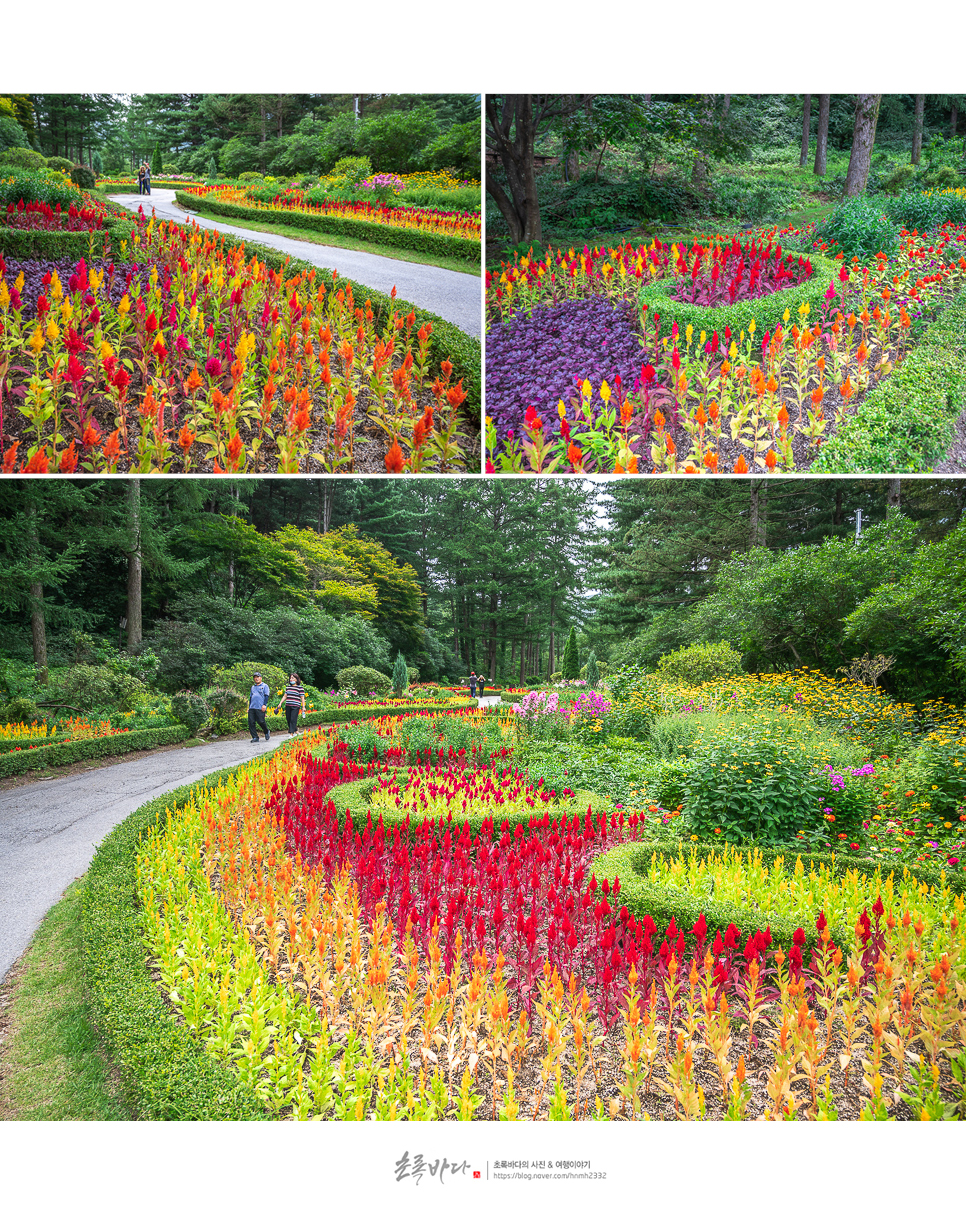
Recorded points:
400,675
570,667
593,673
156,162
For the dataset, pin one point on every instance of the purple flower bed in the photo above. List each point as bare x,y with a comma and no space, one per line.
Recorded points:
535,361
120,277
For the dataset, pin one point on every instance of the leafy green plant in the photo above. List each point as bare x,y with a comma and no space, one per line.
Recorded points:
364,681
860,226
700,662
752,788
191,710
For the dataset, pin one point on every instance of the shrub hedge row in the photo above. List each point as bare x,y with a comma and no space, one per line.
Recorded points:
767,311
629,861
82,751
30,243
463,248
907,422
345,715
354,797
166,1074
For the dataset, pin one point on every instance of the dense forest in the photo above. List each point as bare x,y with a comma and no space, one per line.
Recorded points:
208,134
489,575
560,167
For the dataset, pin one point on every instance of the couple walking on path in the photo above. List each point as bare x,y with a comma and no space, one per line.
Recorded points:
293,700
477,684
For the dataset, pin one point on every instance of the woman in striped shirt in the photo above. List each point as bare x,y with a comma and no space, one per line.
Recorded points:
294,702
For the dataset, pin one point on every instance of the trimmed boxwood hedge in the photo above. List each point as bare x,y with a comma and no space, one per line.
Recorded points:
31,243
462,248
82,751
345,715
907,422
662,903
447,342
767,311
355,797
166,1073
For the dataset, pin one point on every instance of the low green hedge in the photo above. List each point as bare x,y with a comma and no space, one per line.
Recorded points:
641,897
907,422
166,1074
463,248
767,311
354,797
345,715
83,751
132,188
31,243
447,342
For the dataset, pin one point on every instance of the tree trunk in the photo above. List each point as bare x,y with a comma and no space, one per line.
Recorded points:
893,496
821,143
521,207
134,565
806,130
38,630
863,141
917,130
758,513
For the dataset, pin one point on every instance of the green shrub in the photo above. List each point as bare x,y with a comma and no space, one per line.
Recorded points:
674,736
667,785
191,710
942,764
860,227
352,169
23,158
90,687
896,182
364,681
629,719
44,185
699,662
928,211
241,677
749,787
83,177
21,711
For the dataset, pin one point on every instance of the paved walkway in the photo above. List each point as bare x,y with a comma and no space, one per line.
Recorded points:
453,295
49,829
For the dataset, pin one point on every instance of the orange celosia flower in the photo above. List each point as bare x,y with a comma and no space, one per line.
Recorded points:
783,417
186,438
38,464
770,459
112,447
10,458
741,466
817,395
847,389
394,459
575,456
711,461
68,459
193,382
658,421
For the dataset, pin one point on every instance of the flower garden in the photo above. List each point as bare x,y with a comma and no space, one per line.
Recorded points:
728,355
736,901
456,233
131,345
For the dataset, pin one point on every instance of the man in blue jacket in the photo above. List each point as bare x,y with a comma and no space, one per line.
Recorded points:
257,704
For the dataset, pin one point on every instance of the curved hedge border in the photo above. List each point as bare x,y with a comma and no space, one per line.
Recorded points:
447,342
906,423
167,1075
354,798
765,310
463,248
132,187
642,897
31,243
97,747
345,715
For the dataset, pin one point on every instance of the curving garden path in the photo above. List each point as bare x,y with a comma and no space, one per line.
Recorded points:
453,295
50,829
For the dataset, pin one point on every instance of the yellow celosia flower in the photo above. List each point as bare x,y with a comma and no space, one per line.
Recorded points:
37,341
